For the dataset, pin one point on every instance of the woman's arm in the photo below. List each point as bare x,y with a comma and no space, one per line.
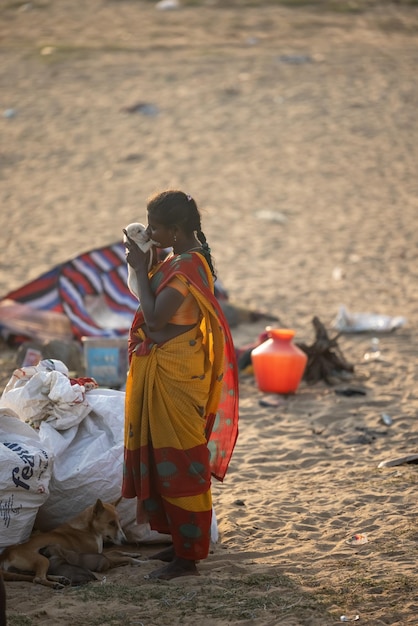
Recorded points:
157,310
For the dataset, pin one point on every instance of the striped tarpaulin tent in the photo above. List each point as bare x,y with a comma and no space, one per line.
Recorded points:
90,290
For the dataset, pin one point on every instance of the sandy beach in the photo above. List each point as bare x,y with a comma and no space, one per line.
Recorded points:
296,131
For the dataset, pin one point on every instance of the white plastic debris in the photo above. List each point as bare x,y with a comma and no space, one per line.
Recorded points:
271,216
167,5
362,322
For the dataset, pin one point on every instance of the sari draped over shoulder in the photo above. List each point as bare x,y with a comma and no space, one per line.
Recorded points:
181,413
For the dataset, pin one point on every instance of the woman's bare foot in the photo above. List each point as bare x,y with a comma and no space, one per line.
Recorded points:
178,567
167,555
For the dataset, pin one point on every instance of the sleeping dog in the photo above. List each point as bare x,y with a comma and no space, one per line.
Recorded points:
84,534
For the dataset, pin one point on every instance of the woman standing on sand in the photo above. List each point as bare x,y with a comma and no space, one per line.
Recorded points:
181,413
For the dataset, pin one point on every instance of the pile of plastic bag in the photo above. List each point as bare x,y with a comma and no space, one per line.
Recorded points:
61,447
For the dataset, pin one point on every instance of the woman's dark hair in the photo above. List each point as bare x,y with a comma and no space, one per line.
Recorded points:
174,207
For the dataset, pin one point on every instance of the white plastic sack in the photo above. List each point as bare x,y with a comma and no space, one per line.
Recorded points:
25,472
44,392
88,459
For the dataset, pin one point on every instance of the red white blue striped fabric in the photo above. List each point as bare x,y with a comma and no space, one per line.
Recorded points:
69,288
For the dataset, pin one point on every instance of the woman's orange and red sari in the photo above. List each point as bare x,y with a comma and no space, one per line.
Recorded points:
181,414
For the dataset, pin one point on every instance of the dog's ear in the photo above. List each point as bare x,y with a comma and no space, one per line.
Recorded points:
115,504
98,507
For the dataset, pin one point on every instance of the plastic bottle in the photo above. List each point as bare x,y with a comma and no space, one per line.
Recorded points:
278,364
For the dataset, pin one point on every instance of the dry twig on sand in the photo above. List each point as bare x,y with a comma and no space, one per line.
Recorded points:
325,359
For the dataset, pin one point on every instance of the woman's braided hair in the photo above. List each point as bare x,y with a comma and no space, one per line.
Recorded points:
174,207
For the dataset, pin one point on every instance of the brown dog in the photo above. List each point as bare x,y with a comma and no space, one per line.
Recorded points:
85,533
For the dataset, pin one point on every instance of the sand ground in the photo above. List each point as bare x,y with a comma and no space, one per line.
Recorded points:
296,131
